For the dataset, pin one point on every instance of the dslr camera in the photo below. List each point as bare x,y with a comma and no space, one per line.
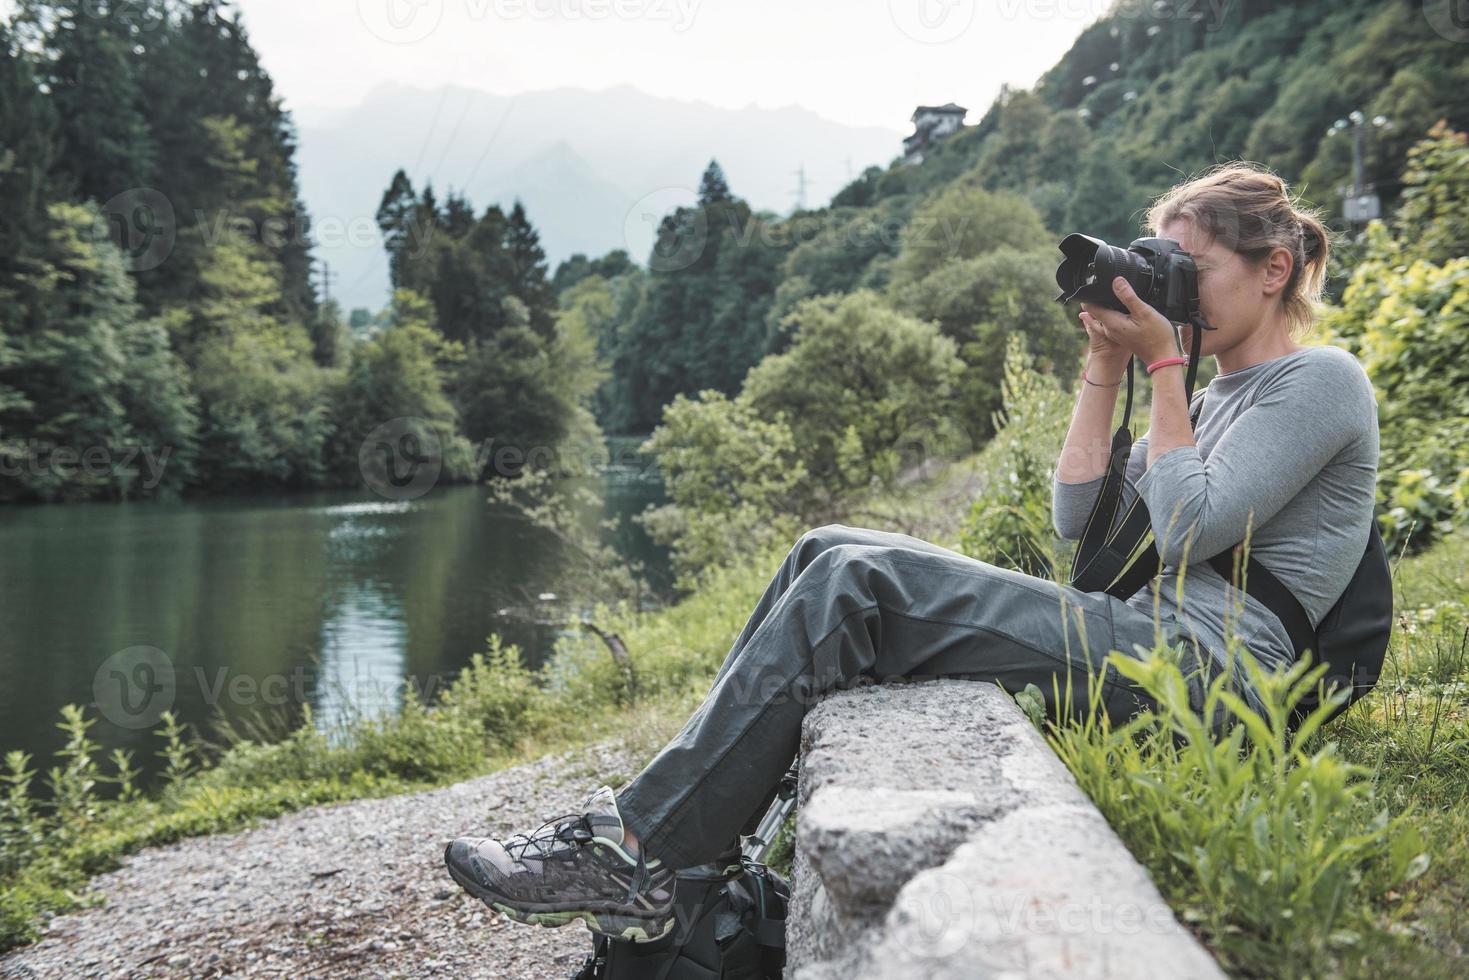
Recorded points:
1158,269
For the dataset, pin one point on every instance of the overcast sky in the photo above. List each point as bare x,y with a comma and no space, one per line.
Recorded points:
855,61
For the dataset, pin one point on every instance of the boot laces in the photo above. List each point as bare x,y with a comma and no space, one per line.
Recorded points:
544,841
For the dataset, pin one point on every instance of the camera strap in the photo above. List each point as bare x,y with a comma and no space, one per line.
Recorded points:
1120,562
1125,560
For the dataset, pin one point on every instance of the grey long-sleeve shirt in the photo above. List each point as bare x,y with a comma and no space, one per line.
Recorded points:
1293,441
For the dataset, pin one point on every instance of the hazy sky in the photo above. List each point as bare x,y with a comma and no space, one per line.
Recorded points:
855,61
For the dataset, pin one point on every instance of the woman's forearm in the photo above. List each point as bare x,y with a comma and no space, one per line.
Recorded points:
1169,420
1088,446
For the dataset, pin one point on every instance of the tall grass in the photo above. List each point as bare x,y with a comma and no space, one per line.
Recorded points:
1331,848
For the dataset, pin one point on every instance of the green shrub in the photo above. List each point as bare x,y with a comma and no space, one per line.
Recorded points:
1408,322
1405,314
1275,846
1009,523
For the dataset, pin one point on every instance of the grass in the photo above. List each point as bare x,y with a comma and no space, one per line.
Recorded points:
1341,851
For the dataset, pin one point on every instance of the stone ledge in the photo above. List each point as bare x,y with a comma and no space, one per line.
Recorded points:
939,836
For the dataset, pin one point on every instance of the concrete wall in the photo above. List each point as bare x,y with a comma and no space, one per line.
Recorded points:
939,836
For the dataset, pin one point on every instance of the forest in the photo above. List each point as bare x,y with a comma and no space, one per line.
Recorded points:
164,331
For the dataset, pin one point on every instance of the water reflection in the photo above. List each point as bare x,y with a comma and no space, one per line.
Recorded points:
259,603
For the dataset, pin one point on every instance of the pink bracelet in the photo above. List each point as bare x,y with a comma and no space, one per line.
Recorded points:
1165,362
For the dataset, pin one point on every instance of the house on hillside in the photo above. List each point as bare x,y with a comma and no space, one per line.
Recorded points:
931,123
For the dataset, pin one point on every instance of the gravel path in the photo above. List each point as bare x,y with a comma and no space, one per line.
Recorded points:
352,890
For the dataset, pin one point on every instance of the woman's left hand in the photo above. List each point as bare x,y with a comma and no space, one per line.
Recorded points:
1142,330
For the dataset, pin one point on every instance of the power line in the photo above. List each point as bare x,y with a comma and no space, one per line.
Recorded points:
801,187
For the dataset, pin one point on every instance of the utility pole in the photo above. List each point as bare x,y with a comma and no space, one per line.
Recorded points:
326,282
1360,203
801,187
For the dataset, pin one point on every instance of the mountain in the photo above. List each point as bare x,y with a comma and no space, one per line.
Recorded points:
579,160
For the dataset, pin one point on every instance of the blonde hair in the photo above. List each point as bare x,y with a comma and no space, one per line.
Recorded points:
1251,211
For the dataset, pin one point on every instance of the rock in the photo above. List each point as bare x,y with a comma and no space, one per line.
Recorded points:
939,837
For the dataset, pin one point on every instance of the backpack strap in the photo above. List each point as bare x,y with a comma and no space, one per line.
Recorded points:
1121,562
1267,589
770,932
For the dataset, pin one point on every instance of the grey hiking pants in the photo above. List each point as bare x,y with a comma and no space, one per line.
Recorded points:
851,603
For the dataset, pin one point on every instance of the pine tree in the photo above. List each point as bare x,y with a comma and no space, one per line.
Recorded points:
530,284
27,149
91,74
396,217
713,188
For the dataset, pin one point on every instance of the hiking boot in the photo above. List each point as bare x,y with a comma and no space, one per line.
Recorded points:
573,866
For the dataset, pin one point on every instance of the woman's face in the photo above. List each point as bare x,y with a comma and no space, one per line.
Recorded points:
1238,298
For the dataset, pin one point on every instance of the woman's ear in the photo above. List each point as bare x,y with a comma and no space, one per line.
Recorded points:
1277,270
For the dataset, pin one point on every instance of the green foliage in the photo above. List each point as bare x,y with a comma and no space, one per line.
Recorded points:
862,394
177,754
20,828
1433,222
400,374
964,222
981,303
1009,523
859,384
73,781
1405,314
497,693
1274,846
76,357
701,318
155,283
265,410
734,477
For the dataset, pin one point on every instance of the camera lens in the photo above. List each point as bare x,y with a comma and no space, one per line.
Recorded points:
1090,265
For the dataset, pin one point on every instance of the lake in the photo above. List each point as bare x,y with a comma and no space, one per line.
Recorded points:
248,608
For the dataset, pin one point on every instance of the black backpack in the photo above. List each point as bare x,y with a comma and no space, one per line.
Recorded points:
729,914
1352,637
730,925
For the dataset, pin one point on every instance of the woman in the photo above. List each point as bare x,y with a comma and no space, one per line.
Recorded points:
1286,446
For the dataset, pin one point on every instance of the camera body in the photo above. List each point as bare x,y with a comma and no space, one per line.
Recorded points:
1158,269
